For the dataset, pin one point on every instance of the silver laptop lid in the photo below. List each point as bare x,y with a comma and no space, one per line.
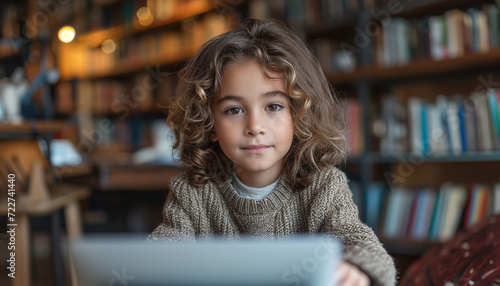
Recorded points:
124,260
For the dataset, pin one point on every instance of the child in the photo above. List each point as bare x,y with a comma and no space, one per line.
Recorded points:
259,133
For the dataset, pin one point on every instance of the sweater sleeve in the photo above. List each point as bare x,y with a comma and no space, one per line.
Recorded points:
361,246
177,224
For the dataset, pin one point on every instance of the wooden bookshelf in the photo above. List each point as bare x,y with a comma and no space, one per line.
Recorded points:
422,69
42,127
371,82
493,156
330,27
426,7
188,10
124,69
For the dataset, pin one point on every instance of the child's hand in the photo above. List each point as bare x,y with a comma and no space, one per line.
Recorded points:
350,275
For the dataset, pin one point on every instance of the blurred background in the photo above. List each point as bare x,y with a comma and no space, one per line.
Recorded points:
83,86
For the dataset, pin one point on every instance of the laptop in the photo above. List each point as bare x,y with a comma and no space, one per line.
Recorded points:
124,260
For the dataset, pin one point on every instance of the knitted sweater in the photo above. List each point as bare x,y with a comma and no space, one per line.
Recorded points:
324,207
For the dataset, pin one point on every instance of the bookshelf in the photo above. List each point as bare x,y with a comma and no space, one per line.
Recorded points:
419,74
46,127
423,68
126,87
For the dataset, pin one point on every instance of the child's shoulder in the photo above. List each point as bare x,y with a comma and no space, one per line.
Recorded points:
181,184
331,175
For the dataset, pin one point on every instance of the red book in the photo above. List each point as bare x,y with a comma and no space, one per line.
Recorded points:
468,213
413,215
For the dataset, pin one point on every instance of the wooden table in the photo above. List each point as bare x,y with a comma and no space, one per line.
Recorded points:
63,197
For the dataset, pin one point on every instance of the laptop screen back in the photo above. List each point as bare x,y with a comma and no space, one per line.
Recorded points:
299,260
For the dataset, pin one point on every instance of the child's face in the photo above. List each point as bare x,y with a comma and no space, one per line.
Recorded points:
253,122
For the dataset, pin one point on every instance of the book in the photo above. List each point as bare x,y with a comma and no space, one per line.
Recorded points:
455,32
424,124
452,211
392,219
493,14
437,214
437,37
453,123
494,117
496,199
443,133
415,125
471,135
405,212
374,197
394,118
425,206
476,208
401,34
483,126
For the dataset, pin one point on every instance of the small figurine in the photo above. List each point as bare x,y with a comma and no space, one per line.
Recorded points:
11,93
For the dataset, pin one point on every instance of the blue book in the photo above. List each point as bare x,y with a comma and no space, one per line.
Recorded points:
475,33
425,126
374,198
493,106
461,118
416,231
436,217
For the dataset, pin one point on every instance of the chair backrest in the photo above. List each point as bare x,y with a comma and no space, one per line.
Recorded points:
17,157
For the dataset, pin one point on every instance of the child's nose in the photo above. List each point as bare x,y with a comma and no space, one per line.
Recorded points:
255,124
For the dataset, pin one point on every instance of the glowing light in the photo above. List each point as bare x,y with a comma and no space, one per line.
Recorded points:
66,34
108,46
145,16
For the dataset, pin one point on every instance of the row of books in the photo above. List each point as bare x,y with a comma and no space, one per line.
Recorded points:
108,14
311,12
144,92
450,125
165,47
399,41
429,214
132,132
451,35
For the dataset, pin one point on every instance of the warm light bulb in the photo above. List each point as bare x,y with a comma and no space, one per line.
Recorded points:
108,46
66,34
145,16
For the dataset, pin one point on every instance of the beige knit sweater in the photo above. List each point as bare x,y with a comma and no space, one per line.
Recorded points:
324,207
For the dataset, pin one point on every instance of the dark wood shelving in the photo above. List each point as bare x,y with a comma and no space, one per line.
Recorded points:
331,26
191,9
42,127
464,157
128,68
420,68
425,7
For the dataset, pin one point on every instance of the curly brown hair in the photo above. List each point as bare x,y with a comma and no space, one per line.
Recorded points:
319,123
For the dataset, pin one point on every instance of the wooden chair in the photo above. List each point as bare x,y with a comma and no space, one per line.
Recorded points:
36,195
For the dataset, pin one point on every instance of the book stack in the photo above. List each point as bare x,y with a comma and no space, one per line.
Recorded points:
310,13
451,35
402,40
450,125
426,214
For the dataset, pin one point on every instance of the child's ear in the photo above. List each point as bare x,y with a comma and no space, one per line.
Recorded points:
213,137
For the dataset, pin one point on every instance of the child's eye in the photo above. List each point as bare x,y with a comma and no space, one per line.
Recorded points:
233,111
274,107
